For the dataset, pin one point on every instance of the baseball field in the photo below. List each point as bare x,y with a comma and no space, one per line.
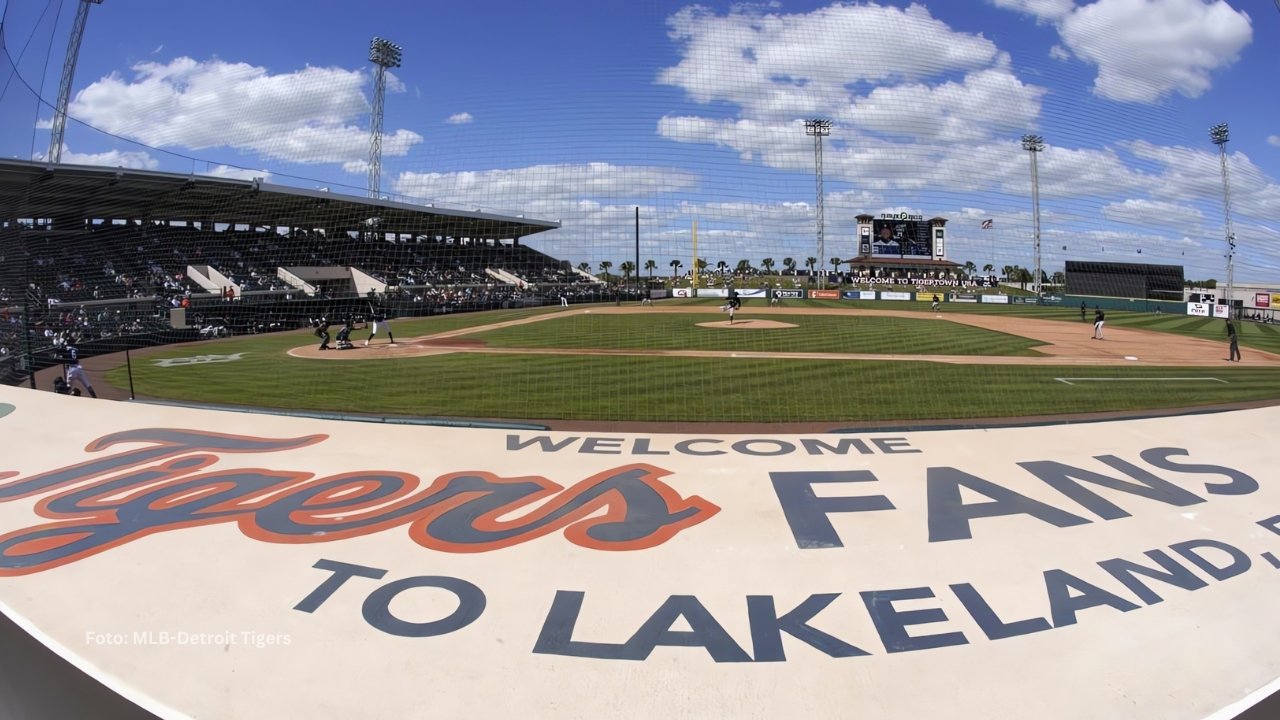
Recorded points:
827,362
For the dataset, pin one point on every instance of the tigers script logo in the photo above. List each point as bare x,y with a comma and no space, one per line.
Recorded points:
163,486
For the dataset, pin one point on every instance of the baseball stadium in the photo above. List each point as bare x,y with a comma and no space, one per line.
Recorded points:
711,361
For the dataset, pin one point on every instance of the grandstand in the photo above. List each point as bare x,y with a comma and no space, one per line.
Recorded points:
103,254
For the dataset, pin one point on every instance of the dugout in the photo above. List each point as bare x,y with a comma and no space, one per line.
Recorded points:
1136,281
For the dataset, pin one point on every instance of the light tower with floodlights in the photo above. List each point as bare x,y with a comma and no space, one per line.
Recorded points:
1034,144
385,54
819,128
68,75
1220,134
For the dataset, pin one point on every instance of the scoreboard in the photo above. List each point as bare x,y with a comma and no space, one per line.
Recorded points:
900,236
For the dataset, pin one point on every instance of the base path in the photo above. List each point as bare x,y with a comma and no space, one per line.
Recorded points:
216,565
1065,343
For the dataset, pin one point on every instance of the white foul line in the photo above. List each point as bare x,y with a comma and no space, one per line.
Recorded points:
1068,380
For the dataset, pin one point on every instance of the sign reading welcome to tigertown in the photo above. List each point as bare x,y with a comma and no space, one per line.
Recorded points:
302,567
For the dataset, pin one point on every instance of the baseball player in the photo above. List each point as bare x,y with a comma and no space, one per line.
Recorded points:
344,335
322,332
380,321
75,373
1099,319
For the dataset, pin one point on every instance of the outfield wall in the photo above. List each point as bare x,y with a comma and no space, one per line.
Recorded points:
326,569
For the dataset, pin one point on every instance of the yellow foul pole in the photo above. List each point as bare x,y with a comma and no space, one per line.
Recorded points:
695,254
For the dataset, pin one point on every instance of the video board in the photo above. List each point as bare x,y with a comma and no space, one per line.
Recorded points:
899,236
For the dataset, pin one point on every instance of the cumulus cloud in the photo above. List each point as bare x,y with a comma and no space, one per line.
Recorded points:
237,173
461,118
1146,50
133,160
779,66
306,116
1273,140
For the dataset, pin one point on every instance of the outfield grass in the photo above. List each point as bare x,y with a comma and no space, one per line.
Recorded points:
613,388
813,333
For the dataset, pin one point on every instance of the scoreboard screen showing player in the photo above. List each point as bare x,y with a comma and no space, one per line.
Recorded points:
900,238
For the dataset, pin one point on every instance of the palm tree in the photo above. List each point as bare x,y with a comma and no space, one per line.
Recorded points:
650,265
701,265
626,268
836,263
744,268
789,264
809,263
767,264
1007,272
988,268
604,268
584,267
675,268
969,267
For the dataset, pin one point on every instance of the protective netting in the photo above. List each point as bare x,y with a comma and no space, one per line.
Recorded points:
217,198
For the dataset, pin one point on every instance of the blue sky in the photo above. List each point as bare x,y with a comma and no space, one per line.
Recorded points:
582,111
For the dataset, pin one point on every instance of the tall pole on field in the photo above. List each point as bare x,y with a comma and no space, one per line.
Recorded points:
68,75
637,267
1034,144
1220,134
384,54
819,129
694,270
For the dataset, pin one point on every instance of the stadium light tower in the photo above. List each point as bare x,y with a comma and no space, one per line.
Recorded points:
819,128
68,74
1219,134
1034,144
384,54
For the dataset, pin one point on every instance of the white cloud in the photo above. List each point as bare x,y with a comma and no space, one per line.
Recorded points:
1057,52
461,118
1146,50
1273,140
139,160
1137,211
236,173
1041,9
307,116
546,191
777,66
987,102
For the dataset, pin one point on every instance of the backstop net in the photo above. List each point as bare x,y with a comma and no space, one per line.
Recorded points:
867,213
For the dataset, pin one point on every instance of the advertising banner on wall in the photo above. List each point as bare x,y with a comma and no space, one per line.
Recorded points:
789,293
824,294
1265,300
1221,311
893,295
964,297
682,292
999,299
1198,309
859,295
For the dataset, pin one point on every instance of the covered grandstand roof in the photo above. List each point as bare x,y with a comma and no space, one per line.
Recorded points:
39,190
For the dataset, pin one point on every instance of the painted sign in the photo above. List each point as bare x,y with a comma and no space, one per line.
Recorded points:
1262,300
299,553
894,295
999,299
198,360
1198,309
789,293
859,295
824,294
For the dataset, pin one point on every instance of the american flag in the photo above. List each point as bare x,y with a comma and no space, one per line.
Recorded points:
988,224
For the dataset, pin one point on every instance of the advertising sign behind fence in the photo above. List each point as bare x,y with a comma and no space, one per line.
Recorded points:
1000,299
893,295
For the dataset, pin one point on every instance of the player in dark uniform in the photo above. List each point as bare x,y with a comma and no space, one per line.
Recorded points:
70,357
344,335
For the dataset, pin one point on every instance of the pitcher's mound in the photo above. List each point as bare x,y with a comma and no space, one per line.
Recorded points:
748,324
